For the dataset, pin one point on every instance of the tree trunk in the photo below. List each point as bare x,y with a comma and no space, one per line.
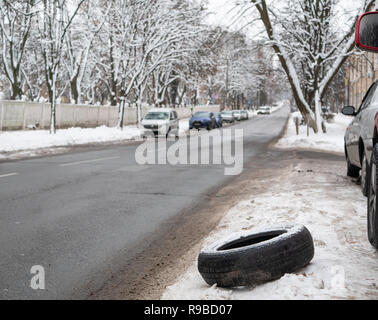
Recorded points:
121,113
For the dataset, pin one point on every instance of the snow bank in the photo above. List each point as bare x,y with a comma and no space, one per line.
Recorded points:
332,208
11,141
333,140
15,141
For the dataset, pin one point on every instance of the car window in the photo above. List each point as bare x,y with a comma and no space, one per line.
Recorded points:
374,98
157,116
201,114
370,95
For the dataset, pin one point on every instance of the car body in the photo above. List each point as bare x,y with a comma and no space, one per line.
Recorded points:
237,115
228,116
203,119
367,40
218,119
361,137
245,115
263,110
161,122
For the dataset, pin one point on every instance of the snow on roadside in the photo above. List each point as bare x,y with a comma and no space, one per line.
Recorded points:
18,141
332,208
332,141
11,141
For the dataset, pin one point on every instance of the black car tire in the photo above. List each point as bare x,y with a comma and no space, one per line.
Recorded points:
373,200
352,170
365,175
256,258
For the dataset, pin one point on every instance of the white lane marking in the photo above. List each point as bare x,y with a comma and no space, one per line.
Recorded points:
9,175
87,161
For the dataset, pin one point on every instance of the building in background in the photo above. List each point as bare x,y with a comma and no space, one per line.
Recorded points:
361,72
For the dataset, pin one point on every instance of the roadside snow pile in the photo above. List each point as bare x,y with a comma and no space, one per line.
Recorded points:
11,141
332,141
15,141
332,208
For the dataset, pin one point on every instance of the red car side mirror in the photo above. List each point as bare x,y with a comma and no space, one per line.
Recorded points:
367,32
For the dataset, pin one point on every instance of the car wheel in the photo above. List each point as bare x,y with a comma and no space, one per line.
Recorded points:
372,200
168,132
352,171
365,176
256,258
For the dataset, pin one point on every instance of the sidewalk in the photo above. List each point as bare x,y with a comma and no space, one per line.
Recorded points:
310,189
30,143
320,196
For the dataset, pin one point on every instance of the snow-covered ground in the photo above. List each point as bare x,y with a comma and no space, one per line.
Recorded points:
332,208
25,142
332,141
11,141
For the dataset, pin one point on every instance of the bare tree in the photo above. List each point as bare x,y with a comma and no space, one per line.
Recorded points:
15,23
56,21
307,36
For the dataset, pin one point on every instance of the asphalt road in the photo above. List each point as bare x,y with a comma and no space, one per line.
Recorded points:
84,215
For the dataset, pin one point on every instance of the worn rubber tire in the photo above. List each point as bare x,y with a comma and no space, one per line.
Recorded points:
352,171
256,258
365,176
372,220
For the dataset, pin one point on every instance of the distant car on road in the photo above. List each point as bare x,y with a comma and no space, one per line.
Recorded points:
237,115
245,115
218,119
263,110
161,122
228,116
203,119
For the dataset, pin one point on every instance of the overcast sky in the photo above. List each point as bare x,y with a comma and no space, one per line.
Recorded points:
224,12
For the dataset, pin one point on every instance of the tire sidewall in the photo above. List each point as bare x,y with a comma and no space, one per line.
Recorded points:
259,262
372,220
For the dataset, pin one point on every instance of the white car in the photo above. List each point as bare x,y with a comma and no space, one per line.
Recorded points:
228,116
161,122
263,110
237,115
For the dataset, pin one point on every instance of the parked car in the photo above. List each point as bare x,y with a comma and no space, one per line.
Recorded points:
203,119
237,115
245,115
263,110
218,119
161,122
360,140
228,116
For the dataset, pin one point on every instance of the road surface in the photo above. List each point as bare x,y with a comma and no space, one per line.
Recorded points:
85,215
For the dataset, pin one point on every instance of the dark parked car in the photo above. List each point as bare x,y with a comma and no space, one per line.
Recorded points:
203,119
360,140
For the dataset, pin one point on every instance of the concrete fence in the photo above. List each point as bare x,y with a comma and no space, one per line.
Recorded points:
19,115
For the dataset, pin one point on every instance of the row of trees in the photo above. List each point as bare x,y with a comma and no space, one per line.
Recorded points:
124,52
310,43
